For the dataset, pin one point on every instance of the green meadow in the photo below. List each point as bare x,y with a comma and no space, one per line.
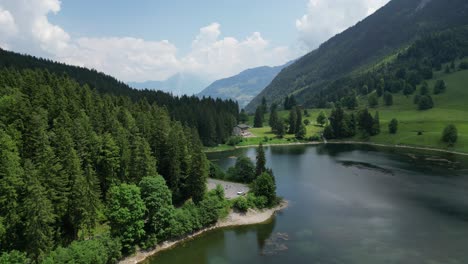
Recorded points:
415,127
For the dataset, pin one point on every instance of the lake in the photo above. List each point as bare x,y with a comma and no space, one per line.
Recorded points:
348,204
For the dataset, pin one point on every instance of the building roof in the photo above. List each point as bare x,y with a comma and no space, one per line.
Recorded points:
243,126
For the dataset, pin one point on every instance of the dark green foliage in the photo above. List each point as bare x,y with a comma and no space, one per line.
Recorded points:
342,125
388,99
234,140
365,122
408,89
274,119
11,185
258,118
373,100
280,128
159,209
215,172
64,145
450,135
439,87
393,126
292,121
301,132
126,211
14,257
265,186
424,89
243,117
463,65
321,118
306,122
243,171
213,206
328,132
376,124
241,204
260,165
104,250
289,102
264,105
425,102
38,216
350,101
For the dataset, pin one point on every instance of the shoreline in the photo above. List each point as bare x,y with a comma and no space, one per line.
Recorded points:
350,143
251,217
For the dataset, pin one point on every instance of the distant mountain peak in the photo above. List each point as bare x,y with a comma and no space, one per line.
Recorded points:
244,86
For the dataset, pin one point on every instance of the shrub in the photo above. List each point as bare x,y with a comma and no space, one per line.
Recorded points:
463,65
234,140
393,126
100,251
241,204
450,135
439,87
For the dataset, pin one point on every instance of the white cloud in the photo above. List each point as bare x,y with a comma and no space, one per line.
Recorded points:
213,56
25,26
325,18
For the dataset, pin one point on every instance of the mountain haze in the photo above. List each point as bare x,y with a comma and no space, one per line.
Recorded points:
244,86
388,30
178,84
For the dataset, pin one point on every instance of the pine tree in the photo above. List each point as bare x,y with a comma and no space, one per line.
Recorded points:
38,216
108,163
142,163
298,119
11,184
376,124
273,122
198,173
261,161
258,118
292,121
321,118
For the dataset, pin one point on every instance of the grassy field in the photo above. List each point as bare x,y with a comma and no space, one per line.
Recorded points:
450,107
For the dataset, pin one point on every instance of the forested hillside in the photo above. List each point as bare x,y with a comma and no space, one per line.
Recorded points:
388,30
213,118
64,145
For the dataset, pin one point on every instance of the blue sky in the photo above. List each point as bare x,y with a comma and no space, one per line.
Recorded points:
179,20
153,40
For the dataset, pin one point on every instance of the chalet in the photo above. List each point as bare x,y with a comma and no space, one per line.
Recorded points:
241,130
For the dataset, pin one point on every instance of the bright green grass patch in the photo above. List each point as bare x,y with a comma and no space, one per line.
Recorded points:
450,107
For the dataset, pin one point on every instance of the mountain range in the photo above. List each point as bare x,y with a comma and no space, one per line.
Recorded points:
388,30
178,84
244,86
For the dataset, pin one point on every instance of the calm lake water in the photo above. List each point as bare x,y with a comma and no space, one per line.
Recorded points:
348,204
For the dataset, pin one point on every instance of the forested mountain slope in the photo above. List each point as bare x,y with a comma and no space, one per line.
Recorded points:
213,118
391,28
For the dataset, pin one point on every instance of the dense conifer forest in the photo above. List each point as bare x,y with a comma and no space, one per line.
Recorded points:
90,174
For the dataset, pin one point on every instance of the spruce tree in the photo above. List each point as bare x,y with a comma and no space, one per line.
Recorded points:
273,122
292,121
38,216
260,160
258,118
376,124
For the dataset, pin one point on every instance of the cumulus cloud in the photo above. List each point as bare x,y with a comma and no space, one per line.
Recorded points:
214,56
24,25
325,18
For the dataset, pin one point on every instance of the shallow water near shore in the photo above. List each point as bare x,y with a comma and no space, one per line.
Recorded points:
348,204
